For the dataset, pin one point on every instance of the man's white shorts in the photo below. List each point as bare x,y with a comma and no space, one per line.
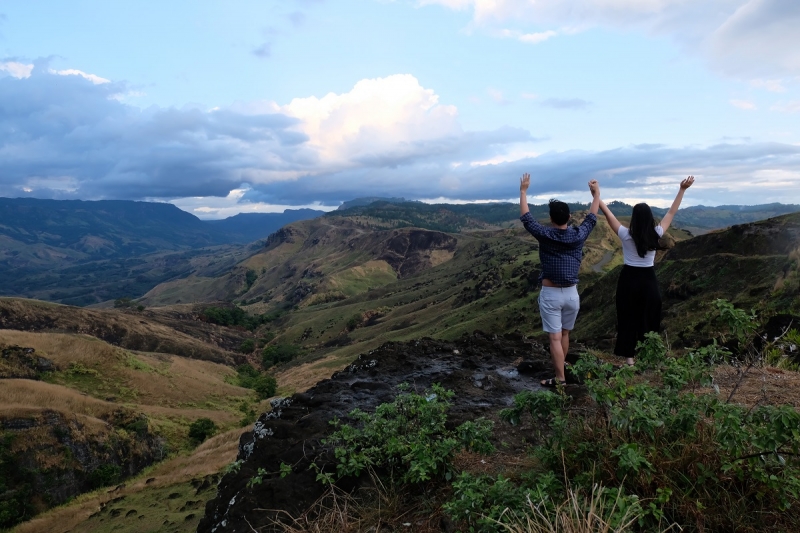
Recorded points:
559,308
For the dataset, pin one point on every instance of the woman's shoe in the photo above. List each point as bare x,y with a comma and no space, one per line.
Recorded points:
552,383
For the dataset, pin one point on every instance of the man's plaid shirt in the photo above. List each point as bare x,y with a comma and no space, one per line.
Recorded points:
560,250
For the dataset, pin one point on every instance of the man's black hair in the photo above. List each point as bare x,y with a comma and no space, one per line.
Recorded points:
559,212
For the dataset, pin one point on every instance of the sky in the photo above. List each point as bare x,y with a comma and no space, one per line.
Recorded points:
263,105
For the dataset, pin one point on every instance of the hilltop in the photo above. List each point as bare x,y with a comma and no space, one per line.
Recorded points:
86,252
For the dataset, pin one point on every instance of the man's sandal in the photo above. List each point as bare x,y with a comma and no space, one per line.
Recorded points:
552,383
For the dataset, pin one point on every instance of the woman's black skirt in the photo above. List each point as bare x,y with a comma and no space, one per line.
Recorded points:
638,307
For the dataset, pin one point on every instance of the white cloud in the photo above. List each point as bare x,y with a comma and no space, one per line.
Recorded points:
97,80
749,39
787,107
17,70
215,207
538,37
773,86
498,96
388,117
742,104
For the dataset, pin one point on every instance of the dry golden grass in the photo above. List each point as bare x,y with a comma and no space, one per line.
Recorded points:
303,377
24,395
762,386
156,379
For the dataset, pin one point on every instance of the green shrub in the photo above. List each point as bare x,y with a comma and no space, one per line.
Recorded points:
691,459
250,378
354,321
265,386
201,429
279,353
235,316
407,437
105,475
247,346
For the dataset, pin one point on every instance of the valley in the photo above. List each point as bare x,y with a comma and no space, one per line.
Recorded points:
428,294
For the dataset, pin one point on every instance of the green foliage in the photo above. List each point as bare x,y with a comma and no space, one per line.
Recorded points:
247,346
353,322
250,378
201,429
79,369
249,278
123,303
678,451
408,437
739,325
235,316
105,475
279,353
264,384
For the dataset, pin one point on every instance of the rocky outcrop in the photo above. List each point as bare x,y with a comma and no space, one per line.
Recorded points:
411,251
47,457
23,363
484,371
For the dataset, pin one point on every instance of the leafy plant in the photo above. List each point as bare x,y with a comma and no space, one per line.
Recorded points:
279,353
201,429
408,437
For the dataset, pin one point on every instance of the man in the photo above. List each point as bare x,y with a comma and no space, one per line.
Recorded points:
560,252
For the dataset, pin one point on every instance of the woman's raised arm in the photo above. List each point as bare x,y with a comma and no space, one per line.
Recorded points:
610,218
667,220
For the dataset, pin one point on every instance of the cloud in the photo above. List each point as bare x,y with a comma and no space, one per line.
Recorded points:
748,39
773,86
497,96
97,80
742,104
787,107
16,69
566,103
68,137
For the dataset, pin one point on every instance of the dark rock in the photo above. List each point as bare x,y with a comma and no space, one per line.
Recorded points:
293,432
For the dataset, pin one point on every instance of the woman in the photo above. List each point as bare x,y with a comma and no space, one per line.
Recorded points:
638,296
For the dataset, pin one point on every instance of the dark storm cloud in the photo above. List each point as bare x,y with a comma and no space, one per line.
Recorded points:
63,136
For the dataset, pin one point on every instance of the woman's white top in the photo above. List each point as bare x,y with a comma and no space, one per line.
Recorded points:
629,253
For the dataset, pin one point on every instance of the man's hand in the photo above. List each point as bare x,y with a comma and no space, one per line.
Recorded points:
685,184
594,187
524,182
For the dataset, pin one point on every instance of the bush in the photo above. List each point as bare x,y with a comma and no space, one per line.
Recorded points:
247,346
279,353
201,429
122,303
354,321
407,437
691,459
261,382
105,475
235,316
265,386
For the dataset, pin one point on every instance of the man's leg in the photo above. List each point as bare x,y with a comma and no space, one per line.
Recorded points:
557,353
565,342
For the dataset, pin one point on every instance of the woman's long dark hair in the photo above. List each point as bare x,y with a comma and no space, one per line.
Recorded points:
643,229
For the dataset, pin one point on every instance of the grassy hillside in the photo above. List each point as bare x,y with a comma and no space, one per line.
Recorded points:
101,413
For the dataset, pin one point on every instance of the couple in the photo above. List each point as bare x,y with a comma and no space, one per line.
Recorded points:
560,253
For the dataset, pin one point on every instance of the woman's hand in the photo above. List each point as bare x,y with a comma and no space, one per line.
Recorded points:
594,187
524,182
685,184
